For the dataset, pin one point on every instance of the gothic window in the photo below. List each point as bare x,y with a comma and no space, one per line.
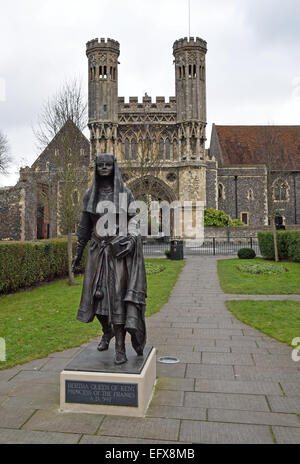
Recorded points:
179,72
190,70
221,191
111,72
127,149
167,149
250,194
161,149
183,72
100,72
280,191
194,71
133,149
104,72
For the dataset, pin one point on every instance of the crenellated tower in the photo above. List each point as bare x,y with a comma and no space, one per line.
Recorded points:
190,82
103,94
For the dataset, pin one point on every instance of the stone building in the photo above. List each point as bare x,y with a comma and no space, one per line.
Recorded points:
239,160
160,145
25,212
171,132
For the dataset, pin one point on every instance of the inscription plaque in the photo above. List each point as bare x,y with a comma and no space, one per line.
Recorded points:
105,393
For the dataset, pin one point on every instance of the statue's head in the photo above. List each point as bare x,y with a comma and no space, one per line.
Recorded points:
105,165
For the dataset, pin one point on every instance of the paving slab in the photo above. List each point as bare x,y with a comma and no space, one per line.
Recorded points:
9,436
210,371
14,417
287,436
284,404
224,433
55,421
176,412
226,401
235,386
150,428
171,383
253,417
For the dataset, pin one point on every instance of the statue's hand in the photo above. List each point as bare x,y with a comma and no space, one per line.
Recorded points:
128,245
75,262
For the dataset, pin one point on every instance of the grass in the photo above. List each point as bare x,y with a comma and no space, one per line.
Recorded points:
236,282
278,319
40,321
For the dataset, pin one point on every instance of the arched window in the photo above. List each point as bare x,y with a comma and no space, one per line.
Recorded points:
167,149
250,194
161,149
280,191
221,191
127,149
133,149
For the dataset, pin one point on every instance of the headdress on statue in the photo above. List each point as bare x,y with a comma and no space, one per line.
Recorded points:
118,185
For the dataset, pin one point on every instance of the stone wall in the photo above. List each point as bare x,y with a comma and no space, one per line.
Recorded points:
12,213
239,232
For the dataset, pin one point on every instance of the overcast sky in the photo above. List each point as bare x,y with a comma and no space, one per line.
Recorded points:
253,66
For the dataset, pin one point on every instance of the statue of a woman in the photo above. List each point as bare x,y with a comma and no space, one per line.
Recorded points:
114,287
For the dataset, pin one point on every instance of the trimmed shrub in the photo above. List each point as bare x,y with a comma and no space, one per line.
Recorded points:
23,264
214,217
218,218
246,253
236,223
168,253
288,243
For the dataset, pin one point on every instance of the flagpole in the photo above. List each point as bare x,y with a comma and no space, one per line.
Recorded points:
189,18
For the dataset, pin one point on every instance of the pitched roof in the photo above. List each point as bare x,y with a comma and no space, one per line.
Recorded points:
245,144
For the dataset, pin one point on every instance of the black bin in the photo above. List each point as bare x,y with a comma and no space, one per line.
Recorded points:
176,251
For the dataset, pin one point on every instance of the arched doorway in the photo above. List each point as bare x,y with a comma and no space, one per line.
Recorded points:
149,189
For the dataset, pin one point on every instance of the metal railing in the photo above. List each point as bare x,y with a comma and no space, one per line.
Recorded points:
208,246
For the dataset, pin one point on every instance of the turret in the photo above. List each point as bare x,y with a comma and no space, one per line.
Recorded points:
190,79
103,79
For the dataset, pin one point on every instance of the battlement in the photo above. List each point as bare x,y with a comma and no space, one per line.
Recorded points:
103,44
159,104
194,42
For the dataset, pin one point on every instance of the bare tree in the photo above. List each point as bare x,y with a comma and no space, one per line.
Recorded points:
68,103
4,154
277,171
66,113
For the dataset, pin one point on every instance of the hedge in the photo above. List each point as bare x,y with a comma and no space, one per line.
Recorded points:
246,253
23,264
288,243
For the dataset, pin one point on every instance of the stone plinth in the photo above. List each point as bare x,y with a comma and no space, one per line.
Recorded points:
92,383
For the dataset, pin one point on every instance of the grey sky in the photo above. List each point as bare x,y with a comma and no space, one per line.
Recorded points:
253,66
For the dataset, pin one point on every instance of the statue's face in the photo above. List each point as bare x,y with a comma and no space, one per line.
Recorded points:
105,165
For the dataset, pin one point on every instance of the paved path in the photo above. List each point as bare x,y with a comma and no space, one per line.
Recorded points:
233,384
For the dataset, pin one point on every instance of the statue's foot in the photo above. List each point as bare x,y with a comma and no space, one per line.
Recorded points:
120,357
103,345
139,352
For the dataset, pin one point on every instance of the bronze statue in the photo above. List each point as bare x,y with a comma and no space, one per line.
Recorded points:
114,286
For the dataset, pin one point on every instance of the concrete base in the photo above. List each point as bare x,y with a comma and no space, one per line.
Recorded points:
114,393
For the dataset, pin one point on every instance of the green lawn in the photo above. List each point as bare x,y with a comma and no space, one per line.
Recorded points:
40,321
278,319
234,281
